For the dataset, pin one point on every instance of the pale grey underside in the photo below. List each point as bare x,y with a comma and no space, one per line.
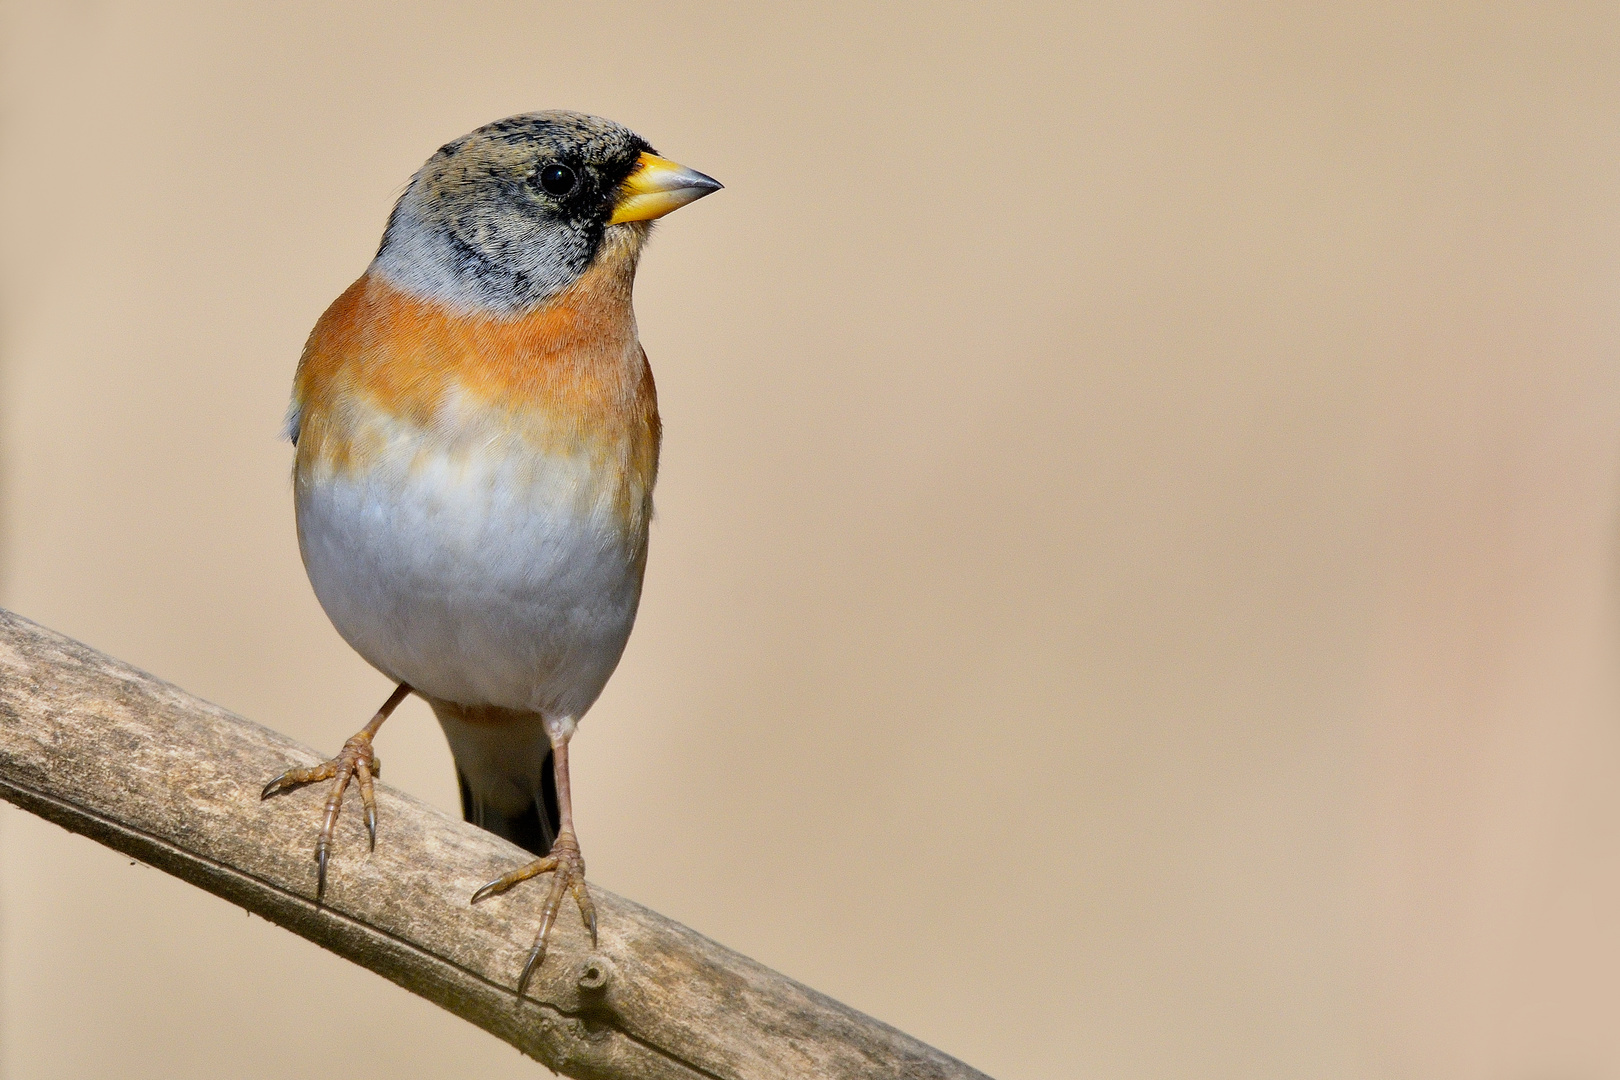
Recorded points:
476,577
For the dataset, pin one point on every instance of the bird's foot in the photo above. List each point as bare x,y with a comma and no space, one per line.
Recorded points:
356,761
567,868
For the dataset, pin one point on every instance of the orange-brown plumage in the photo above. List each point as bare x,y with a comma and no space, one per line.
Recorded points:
567,377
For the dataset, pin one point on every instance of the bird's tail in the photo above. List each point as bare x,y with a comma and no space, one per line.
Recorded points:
505,770
534,828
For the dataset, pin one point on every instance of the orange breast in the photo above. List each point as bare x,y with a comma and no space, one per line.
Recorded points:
569,378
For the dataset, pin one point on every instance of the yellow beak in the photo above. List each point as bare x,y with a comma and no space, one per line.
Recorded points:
658,186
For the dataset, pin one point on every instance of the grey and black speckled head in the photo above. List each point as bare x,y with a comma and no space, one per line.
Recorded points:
511,214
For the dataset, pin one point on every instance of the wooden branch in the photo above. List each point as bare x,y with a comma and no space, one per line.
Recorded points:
143,767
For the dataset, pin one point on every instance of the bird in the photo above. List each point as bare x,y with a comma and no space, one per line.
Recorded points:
476,439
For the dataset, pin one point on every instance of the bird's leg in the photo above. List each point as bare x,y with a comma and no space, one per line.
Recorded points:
356,760
564,862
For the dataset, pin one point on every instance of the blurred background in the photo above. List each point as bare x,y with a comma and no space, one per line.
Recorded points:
1134,587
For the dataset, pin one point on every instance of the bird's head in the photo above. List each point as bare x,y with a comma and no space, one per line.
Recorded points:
508,216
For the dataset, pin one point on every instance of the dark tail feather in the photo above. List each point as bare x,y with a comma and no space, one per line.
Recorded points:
534,829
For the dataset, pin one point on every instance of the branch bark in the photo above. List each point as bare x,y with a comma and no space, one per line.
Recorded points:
143,767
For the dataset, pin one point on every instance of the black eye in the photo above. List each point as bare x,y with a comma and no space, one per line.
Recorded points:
557,179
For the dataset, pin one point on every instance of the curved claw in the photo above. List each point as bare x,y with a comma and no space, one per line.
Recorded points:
537,956
274,786
320,873
371,825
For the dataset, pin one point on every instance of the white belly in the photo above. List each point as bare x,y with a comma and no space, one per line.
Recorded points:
477,576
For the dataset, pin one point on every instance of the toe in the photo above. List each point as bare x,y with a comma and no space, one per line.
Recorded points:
293,778
501,884
587,909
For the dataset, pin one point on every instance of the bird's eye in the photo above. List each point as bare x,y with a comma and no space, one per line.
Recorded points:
557,179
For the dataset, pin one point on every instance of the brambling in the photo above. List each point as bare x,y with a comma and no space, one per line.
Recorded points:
476,440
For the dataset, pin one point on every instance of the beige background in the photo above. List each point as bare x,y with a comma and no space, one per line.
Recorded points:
1134,592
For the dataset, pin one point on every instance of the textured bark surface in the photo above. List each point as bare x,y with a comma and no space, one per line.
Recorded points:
141,766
